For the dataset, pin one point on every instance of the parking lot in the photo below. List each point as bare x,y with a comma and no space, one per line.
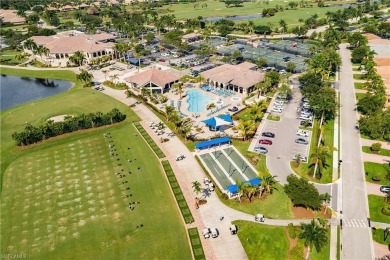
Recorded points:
284,145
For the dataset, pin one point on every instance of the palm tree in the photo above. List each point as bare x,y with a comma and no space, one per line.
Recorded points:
268,183
85,77
241,189
283,24
105,72
313,235
77,58
261,88
29,44
197,187
319,158
246,128
179,87
168,111
21,56
114,78
185,130
326,197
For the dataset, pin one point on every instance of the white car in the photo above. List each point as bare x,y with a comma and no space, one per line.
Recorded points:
277,110
206,232
279,102
305,117
164,54
302,133
214,232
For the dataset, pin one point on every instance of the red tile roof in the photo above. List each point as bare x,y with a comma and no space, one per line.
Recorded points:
155,76
10,16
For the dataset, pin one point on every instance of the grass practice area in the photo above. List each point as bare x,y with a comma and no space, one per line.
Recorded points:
377,171
196,244
185,211
376,203
273,242
68,196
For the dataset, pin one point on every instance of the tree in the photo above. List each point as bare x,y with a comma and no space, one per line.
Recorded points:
359,53
114,78
302,193
319,157
376,147
246,128
268,182
371,104
77,58
122,48
260,62
85,77
197,187
326,197
261,88
185,129
313,235
356,39
168,111
283,24
30,44
291,66
179,87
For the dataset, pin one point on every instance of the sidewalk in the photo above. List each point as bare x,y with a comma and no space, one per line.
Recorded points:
367,142
373,188
367,157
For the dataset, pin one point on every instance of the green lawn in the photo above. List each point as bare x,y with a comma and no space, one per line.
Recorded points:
376,203
384,152
196,244
359,85
7,57
379,237
216,8
62,196
360,96
273,117
306,170
271,242
376,169
359,76
263,241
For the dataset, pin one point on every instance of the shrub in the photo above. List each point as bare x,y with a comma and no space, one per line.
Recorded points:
291,231
376,147
376,178
386,210
302,193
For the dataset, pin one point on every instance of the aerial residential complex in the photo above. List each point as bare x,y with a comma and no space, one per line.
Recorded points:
202,130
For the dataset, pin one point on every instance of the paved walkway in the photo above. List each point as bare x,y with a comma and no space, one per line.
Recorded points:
368,157
367,142
373,188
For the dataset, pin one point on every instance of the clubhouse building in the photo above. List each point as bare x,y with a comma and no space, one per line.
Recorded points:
62,46
154,79
240,78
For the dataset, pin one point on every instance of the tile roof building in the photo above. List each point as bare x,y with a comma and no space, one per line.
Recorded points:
10,16
153,79
64,45
240,78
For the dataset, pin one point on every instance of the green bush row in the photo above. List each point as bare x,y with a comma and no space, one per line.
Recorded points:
196,244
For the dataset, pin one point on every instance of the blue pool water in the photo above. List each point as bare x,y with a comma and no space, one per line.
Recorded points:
197,100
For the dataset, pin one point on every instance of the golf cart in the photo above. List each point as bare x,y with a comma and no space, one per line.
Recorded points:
180,157
259,218
233,229
206,232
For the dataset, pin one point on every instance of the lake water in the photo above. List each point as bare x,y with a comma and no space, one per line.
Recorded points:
234,18
19,90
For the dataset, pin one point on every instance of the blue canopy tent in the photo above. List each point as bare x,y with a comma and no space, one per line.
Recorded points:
133,61
214,123
212,142
233,189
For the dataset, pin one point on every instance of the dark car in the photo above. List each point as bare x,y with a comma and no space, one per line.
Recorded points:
306,123
265,141
268,134
233,109
161,60
301,141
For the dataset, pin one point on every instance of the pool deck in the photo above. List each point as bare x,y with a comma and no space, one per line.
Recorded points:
197,121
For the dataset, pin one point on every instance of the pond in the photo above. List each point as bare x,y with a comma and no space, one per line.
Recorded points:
234,18
19,90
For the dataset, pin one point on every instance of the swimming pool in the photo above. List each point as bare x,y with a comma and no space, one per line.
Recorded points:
197,100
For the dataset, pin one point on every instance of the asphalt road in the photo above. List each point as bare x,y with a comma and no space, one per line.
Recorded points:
356,235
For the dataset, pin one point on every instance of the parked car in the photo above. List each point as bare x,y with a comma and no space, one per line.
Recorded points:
265,141
233,109
210,186
277,110
301,141
306,123
279,102
306,117
206,232
268,134
261,149
233,229
302,158
259,218
384,189
302,133
161,60
214,232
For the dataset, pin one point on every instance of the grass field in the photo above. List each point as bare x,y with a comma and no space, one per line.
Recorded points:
217,9
271,242
196,244
376,169
375,204
359,85
63,198
384,152
379,236
263,241
8,57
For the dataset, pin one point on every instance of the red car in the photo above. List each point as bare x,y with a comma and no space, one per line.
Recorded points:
265,141
161,60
